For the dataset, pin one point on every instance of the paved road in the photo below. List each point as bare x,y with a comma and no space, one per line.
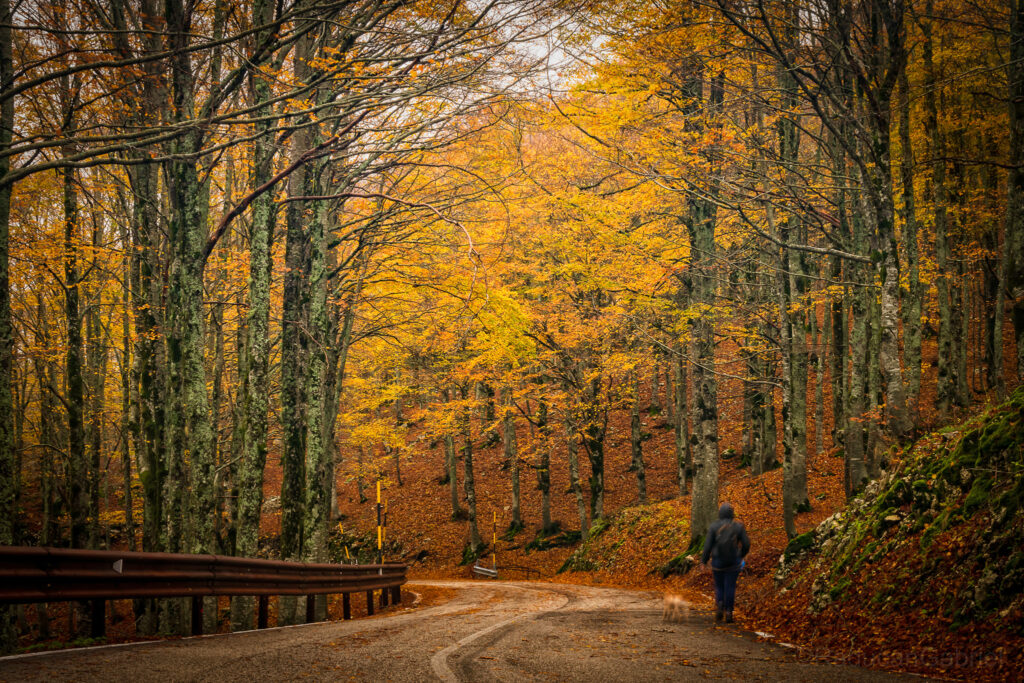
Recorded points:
487,632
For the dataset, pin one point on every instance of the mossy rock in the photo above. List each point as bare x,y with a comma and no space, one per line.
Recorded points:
680,564
598,527
471,553
836,591
696,545
577,562
513,529
546,542
798,544
978,495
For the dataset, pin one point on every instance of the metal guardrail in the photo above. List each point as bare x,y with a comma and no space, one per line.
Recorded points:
30,574
485,571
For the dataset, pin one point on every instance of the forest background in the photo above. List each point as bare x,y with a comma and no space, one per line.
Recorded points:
256,258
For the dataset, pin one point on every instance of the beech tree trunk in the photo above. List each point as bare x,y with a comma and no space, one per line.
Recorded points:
572,445
451,462
511,456
684,457
636,442
945,396
1014,246
469,483
8,635
700,223
912,296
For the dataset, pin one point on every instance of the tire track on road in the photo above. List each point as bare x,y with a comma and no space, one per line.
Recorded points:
439,662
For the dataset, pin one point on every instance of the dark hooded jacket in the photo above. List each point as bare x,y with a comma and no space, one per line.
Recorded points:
727,542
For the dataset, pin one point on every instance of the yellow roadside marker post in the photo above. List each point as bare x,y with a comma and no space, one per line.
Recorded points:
341,530
380,535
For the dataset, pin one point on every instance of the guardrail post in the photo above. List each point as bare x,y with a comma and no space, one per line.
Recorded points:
346,606
263,612
369,603
197,615
310,609
99,619
396,595
383,597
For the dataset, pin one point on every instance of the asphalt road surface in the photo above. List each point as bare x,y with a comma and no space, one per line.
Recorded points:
489,631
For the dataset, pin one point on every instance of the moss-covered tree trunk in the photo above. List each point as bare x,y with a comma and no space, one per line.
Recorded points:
838,349
8,636
77,466
127,422
792,316
856,429
704,506
319,470
912,294
257,404
95,381
51,442
945,396
294,358
1015,183
819,333
700,223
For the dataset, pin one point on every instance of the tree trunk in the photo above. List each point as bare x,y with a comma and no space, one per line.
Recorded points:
127,426
475,542
254,457
96,375
636,442
838,353
946,382
574,477
77,468
8,635
511,456
820,335
654,407
544,467
593,433
684,458
854,435
50,443
318,458
294,358
1014,241
912,297
360,456
700,223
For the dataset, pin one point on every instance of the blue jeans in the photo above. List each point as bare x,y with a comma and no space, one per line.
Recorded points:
725,587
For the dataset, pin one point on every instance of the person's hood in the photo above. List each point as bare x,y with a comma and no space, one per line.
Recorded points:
726,511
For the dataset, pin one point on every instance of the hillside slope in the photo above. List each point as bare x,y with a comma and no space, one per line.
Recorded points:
925,570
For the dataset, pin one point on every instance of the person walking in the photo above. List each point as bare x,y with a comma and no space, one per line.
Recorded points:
726,545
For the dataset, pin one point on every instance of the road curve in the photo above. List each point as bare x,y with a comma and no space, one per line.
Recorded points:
490,631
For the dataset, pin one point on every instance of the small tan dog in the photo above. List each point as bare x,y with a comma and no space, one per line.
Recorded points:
674,608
